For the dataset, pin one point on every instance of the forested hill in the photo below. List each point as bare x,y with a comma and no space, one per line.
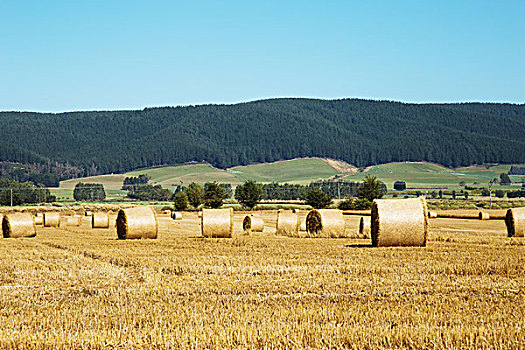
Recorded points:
361,132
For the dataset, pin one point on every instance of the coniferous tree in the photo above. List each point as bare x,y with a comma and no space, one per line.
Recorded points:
180,201
194,193
214,195
317,199
249,194
371,188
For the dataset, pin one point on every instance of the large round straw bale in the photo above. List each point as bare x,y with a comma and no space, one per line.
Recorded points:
39,220
17,225
88,213
166,212
100,220
432,214
364,226
175,215
51,219
288,223
71,220
217,223
483,215
325,223
136,223
253,223
399,222
515,221
302,228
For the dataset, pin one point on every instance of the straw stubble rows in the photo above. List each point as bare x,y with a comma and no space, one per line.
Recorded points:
79,287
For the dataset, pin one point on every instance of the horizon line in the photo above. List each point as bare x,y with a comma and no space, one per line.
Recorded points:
265,99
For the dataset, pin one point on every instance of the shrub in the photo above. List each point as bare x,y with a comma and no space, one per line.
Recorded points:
504,179
355,204
400,185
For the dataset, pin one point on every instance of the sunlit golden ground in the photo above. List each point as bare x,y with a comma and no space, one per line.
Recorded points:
82,288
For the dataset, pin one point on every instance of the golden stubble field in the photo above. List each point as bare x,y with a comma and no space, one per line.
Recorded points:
75,287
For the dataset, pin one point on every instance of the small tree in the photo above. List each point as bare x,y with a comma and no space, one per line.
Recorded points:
194,194
504,179
214,195
440,194
180,201
249,194
317,198
89,192
371,188
454,194
500,194
465,194
400,185
356,204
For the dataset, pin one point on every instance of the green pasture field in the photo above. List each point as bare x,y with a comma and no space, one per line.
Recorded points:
303,171
428,175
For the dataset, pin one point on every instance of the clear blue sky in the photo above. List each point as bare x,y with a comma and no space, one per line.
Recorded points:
85,55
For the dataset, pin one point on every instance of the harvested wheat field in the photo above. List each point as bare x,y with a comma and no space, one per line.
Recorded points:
75,287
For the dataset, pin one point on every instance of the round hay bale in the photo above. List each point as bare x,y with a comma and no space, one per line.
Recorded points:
515,221
325,223
137,223
288,223
39,220
483,215
432,214
458,214
88,213
253,223
399,222
175,215
217,223
70,220
364,226
302,228
18,225
51,219
166,212
100,220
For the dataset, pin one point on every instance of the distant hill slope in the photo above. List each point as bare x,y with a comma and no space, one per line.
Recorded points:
360,132
304,171
301,171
